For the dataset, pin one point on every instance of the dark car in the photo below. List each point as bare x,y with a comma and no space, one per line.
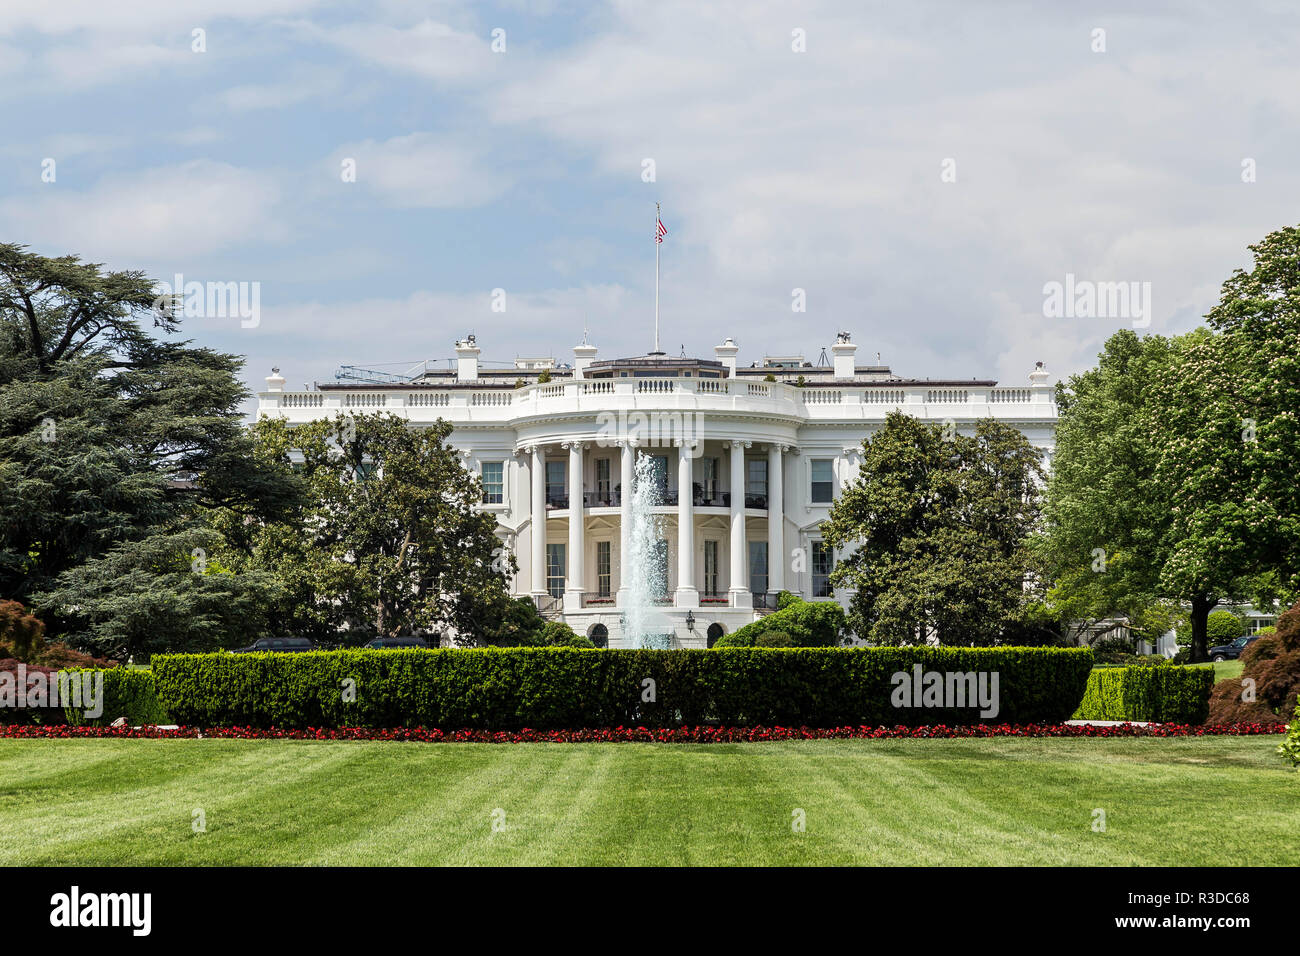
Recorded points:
388,643
285,644
1230,652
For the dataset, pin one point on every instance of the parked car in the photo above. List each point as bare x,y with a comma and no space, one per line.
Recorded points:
388,643
1230,652
285,644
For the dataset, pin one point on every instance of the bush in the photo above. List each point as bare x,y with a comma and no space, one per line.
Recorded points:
1290,746
127,693
1270,674
774,639
1223,627
559,634
1161,692
543,688
785,598
807,623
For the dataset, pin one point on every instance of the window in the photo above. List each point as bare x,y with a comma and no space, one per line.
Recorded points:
602,481
599,635
823,480
602,568
659,477
758,567
555,570
756,469
711,568
494,483
709,479
555,487
714,632
823,563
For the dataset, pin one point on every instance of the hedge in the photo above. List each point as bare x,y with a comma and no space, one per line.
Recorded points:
127,693
541,688
1163,693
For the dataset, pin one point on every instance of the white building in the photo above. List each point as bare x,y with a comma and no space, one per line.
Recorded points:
748,459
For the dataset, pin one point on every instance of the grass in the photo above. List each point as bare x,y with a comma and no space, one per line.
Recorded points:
1214,800
1225,669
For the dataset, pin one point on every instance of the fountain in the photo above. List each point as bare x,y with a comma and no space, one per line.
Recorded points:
644,624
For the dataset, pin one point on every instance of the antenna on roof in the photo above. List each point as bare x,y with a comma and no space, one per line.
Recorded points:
823,360
683,350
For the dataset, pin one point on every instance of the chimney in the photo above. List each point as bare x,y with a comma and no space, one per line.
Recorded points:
467,352
843,351
583,353
1039,375
726,353
275,381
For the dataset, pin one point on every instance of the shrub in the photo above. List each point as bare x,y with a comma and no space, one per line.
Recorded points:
785,598
1270,674
1290,746
808,624
559,634
1161,692
540,688
774,639
1223,627
127,693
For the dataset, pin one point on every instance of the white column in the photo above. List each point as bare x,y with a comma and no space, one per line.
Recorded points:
537,479
576,582
688,595
625,520
776,557
739,589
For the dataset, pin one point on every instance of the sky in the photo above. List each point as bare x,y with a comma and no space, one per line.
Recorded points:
392,175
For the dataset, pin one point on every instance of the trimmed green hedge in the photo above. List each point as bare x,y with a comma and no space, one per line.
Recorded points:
1165,693
544,688
127,693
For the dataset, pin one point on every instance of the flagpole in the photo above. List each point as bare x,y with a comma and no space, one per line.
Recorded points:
657,245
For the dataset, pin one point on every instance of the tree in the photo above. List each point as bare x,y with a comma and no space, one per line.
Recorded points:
1224,627
391,539
109,436
937,525
1105,514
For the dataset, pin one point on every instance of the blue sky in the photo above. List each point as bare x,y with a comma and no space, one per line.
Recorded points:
522,170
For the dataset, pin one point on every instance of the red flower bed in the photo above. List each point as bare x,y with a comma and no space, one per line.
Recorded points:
678,735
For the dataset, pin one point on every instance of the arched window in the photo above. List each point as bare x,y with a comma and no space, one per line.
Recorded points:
599,635
715,631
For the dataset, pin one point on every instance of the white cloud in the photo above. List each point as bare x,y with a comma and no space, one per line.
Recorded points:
423,170
155,215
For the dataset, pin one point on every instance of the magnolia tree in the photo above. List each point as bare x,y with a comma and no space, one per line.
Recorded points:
936,527
391,538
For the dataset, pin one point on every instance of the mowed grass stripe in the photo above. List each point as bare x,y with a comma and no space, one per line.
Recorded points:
1002,801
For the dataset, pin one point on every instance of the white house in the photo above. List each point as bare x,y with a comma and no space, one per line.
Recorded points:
748,460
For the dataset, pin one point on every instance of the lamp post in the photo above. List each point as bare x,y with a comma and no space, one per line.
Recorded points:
690,621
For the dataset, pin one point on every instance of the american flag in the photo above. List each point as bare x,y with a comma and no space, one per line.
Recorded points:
660,230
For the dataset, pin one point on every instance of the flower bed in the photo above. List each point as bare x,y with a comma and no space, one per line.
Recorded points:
664,735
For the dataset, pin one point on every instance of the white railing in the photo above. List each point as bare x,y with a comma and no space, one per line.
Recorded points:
429,399
303,400
759,390
884,396
822,396
947,396
713,386
365,400
646,386
1011,395
491,398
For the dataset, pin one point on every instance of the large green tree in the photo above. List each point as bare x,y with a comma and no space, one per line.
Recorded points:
1105,514
115,437
391,539
935,527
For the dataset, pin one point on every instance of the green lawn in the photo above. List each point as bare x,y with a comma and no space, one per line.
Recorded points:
1215,800
1225,669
